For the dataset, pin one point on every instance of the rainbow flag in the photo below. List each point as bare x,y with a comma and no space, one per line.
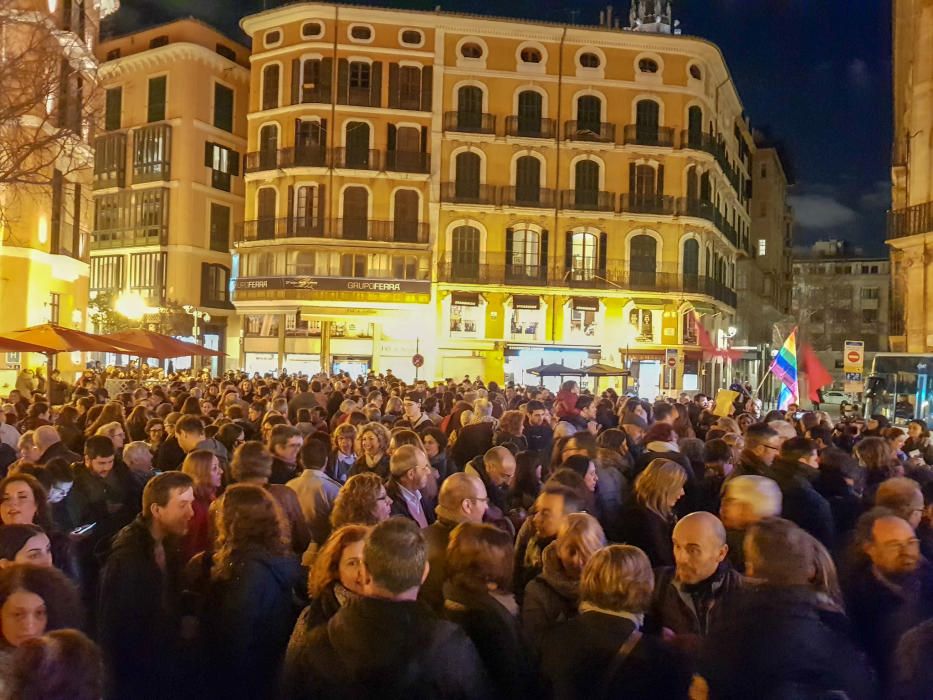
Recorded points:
784,368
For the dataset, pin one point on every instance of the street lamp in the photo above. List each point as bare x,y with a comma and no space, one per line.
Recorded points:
132,305
198,316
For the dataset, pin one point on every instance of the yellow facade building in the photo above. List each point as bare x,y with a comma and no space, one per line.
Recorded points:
168,184
910,221
49,71
491,193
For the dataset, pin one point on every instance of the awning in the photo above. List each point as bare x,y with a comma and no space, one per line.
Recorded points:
585,304
526,301
465,298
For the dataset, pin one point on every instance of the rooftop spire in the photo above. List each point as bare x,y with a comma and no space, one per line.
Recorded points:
652,16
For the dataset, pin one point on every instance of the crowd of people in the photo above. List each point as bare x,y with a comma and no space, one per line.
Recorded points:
338,537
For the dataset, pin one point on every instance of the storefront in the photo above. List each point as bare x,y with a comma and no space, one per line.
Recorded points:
526,318
521,358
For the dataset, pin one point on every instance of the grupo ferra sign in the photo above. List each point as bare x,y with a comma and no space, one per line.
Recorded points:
336,284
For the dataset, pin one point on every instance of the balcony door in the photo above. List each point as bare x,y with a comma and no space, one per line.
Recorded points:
643,262
647,121
470,108
530,111
464,254
356,213
357,148
586,184
407,207
265,214
695,126
268,146
466,186
691,265
589,114
527,180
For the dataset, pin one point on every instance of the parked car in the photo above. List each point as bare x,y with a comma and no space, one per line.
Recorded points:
836,397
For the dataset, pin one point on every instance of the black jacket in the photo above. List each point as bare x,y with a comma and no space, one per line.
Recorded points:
494,631
361,467
576,657
551,597
647,530
801,503
283,472
775,643
540,438
382,649
247,622
139,616
59,450
170,456
436,538
675,608
473,440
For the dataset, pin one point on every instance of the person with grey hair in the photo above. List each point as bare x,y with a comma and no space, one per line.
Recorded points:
138,460
476,438
409,469
745,501
388,644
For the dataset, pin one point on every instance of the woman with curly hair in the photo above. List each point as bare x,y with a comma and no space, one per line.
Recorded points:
362,500
374,451
336,578
252,591
60,664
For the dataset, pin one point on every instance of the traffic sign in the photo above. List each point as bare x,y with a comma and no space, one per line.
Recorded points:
853,365
417,360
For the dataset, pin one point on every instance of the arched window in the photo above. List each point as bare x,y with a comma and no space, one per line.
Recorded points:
648,65
523,254
471,50
527,180
586,184
695,126
530,55
268,145
583,254
643,261
270,86
464,253
706,189
469,107
467,185
530,112
643,188
307,213
304,263
407,211
647,120
357,149
356,213
691,265
265,213
589,113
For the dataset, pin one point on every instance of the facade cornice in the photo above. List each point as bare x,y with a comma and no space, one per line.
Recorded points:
158,58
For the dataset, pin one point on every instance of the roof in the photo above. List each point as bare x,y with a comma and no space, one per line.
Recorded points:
107,37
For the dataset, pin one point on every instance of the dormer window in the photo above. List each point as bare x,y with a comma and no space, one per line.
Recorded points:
531,55
471,50
648,65
589,60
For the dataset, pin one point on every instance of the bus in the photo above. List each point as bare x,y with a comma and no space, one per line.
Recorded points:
899,387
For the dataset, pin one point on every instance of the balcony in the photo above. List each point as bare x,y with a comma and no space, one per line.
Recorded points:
594,132
357,158
110,160
495,273
152,148
408,162
459,193
707,210
640,135
307,156
708,143
349,229
105,239
587,200
530,127
313,95
646,204
910,220
470,122
540,197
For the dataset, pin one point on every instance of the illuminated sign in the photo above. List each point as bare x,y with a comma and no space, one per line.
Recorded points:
336,284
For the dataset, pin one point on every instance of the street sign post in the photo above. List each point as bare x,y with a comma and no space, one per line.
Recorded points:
853,365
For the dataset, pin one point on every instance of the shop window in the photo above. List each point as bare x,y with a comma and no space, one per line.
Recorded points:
262,325
643,322
526,324
467,315
583,323
351,329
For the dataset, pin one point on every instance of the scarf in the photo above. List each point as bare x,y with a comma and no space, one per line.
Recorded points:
637,618
661,446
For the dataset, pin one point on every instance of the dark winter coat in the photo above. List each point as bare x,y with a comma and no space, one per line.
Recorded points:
774,643
576,657
436,538
362,467
139,616
283,472
473,440
674,608
61,451
912,675
801,503
494,631
379,649
647,530
552,597
248,621
169,456
540,438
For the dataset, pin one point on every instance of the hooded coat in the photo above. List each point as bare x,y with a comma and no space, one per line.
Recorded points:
550,598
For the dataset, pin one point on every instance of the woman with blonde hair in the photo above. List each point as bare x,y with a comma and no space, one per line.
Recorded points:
554,594
343,452
373,451
601,653
362,500
336,578
647,520
252,592
204,469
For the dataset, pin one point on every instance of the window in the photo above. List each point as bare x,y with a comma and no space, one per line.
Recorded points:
308,210
147,276
272,38
356,213
152,152
360,74
270,86
467,183
266,199
156,109
874,269
465,253
762,247
523,259
470,107
268,147
226,52
869,315
224,164
530,112
114,108
220,228
223,107
586,184
691,259
589,60
215,285
584,248
357,154
647,119
530,55
106,273
527,180
467,316
471,50
409,87
648,65
412,37
643,260
312,30
158,41
871,293
589,113
407,211
361,32
764,170
695,72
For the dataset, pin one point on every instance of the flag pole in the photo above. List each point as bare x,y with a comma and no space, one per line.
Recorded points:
771,366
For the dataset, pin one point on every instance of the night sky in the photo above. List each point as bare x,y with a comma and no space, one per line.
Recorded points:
815,75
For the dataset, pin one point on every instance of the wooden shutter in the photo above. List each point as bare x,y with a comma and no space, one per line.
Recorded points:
320,205
205,283
290,214
542,255
568,251
509,247
327,77
390,137
234,163
632,177
660,187
209,154
603,245
393,85
424,139
375,85
343,81
427,87
296,81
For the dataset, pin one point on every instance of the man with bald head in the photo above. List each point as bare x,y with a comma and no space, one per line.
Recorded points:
687,596
462,499
51,446
496,470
